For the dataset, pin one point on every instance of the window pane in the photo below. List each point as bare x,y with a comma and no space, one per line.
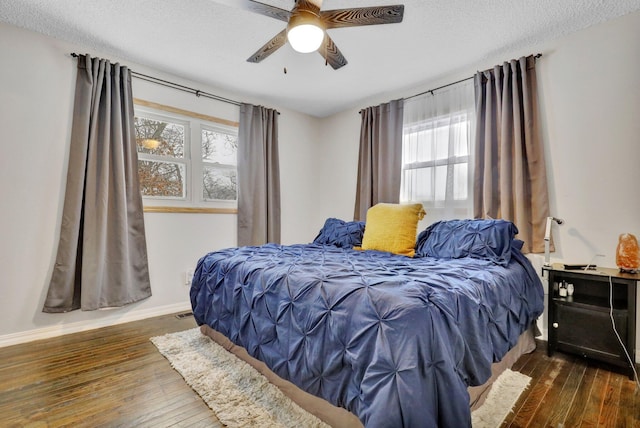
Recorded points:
159,138
409,142
460,134
162,179
219,147
424,145
441,183
418,146
219,184
418,185
441,148
460,181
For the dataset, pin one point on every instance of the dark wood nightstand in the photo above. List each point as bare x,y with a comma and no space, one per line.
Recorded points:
580,323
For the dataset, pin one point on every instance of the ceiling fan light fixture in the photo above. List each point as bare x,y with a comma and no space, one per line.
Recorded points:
305,38
150,143
305,31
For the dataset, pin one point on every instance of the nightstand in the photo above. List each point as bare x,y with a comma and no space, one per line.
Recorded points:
580,323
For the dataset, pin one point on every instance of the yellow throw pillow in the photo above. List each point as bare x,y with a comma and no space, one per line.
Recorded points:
392,228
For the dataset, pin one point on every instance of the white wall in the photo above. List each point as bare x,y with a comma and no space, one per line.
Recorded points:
298,142
37,82
337,165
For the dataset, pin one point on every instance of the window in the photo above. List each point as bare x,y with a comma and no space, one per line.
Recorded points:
436,153
185,161
219,170
435,158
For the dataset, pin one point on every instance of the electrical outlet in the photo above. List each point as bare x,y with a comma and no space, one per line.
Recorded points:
188,277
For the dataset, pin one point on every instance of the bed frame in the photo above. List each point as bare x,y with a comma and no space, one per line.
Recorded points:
339,417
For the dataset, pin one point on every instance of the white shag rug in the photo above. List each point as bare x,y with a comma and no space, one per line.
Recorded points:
503,395
241,397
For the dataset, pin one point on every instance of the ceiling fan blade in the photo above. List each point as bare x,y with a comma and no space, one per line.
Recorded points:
270,47
331,53
257,7
312,5
339,18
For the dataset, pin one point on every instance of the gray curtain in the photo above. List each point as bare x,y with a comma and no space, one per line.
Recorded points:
510,178
258,176
380,159
102,254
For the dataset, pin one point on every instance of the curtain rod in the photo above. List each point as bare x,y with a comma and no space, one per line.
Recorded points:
162,82
431,91
196,92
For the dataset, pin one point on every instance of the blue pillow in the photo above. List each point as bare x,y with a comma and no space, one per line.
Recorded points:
479,239
340,233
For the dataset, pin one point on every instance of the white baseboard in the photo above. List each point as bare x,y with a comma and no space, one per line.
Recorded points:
76,327
544,334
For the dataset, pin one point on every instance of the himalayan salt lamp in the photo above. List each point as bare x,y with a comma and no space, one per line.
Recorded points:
627,253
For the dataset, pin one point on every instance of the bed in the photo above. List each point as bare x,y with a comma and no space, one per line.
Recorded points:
395,340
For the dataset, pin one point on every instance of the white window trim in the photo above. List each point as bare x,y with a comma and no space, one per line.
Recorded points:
194,201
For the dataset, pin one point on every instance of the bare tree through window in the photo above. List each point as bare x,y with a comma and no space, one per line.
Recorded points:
219,154
160,139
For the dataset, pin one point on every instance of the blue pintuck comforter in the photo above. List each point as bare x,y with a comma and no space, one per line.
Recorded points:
395,340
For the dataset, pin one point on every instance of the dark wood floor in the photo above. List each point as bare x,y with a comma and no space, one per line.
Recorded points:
111,377
114,377
568,391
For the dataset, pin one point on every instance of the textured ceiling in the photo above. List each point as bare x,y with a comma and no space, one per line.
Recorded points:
208,41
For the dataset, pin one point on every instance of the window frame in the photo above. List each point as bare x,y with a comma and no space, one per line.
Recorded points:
194,200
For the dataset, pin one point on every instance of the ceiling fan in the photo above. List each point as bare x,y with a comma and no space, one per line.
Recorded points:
307,25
